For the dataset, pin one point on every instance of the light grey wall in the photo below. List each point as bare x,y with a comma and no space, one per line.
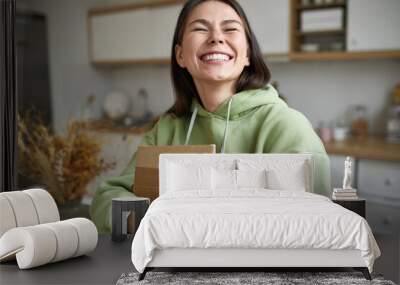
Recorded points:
72,78
155,79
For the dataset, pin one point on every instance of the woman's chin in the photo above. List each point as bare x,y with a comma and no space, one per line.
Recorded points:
218,78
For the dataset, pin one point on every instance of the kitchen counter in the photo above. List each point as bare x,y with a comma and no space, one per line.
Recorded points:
107,126
376,148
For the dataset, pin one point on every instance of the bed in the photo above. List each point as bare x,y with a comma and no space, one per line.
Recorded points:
247,210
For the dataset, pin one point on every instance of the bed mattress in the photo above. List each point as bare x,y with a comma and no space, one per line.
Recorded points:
250,219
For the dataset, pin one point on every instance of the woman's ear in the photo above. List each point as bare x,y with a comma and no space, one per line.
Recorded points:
179,56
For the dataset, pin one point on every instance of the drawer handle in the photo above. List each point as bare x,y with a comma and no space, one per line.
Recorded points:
388,182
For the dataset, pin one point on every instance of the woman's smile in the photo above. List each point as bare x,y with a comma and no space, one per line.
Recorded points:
215,57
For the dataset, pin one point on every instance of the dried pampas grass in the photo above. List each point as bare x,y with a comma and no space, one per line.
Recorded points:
63,164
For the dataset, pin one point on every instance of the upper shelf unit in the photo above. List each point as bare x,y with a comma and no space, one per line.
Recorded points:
318,28
344,29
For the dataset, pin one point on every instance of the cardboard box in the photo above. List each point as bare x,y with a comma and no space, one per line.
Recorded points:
146,174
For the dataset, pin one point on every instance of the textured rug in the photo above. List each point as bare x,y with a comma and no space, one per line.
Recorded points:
231,278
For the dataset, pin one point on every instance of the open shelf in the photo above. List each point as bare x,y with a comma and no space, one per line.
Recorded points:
342,55
321,6
325,40
321,33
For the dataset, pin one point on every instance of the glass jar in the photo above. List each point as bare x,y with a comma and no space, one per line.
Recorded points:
359,122
393,125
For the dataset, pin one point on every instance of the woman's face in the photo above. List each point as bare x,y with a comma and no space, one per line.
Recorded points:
214,46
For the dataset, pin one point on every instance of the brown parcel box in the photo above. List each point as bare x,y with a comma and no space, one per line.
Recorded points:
146,175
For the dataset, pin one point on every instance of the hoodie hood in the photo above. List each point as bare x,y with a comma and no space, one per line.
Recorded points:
234,108
242,103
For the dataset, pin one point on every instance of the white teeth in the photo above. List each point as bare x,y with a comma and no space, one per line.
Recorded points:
216,56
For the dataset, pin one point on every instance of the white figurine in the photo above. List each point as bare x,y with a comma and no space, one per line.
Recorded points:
347,174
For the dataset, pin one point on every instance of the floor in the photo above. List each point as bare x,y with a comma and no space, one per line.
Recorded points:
388,264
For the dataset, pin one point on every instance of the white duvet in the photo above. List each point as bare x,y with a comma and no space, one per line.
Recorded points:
250,219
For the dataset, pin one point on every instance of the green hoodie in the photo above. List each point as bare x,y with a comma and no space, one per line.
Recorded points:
254,121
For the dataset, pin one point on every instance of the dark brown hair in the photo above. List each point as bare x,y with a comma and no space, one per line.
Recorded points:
254,76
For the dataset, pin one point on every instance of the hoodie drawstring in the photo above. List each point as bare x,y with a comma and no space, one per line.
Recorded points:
193,118
226,125
189,132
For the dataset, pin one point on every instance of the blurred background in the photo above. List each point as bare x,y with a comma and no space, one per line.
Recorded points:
93,74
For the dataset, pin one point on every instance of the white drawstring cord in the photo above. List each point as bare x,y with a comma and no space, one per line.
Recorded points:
226,125
191,126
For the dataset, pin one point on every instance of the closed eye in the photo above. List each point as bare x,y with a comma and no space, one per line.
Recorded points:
200,30
231,30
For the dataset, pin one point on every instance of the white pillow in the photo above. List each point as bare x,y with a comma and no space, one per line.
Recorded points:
251,178
224,179
188,177
294,178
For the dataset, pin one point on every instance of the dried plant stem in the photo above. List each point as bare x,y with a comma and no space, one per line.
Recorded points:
63,164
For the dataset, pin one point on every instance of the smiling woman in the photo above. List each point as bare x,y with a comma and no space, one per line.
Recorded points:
214,55
222,98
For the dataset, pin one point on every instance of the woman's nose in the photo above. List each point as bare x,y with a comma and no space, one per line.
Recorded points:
216,37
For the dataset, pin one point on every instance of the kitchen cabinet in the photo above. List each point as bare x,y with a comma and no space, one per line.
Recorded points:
269,20
373,25
384,183
379,183
132,33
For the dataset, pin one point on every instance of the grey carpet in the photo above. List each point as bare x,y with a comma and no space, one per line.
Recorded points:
269,278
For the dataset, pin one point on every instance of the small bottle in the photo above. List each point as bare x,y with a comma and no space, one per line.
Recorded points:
359,123
393,122
324,132
393,125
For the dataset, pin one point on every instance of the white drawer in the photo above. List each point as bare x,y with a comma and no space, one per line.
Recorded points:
379,178
383,218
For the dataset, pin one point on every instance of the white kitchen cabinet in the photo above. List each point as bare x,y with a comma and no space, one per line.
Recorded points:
269,20
133,34
117,147
381,179
373,25
379,184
